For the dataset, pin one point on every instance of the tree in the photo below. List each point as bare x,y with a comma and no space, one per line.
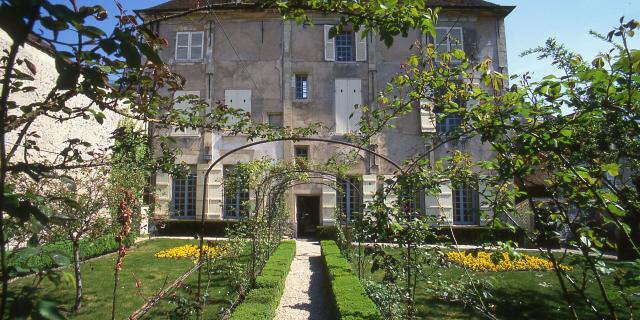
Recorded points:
83,206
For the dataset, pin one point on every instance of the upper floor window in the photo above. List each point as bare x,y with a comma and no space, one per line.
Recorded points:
448,39
347,45
449,123
302,152
275,119
302,87
184,195
189,45
465,205
236,193
349,197
344,46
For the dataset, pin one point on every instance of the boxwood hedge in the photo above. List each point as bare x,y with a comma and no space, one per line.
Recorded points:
351,300
262,301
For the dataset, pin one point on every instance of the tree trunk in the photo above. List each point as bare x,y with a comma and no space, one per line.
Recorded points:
76,266
625,247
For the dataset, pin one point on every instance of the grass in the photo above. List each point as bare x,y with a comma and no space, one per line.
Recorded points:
515,295
140,266
262,301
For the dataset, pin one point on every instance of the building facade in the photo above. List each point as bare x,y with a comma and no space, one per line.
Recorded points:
293,75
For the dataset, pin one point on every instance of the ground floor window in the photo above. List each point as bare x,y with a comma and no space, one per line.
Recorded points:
465,205
349,196
184,195
236,193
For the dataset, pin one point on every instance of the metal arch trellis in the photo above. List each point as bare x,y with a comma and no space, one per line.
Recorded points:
222,157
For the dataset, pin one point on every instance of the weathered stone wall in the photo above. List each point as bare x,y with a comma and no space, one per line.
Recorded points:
256,50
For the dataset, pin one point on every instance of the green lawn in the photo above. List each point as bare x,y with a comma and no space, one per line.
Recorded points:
515,295
151,272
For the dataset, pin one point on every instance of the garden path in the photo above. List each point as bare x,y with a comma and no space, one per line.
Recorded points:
306,292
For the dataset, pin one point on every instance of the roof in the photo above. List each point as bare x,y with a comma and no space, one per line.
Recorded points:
179,5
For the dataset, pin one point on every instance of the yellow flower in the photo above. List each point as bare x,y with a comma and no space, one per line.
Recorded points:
483,262
190,251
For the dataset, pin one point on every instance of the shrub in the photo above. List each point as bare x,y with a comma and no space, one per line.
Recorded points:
351,300
89,248
191,228
327,233
262,301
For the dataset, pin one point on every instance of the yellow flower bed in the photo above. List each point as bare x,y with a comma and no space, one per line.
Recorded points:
190,251
483,262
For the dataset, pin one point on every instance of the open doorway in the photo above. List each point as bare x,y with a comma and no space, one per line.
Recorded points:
308,215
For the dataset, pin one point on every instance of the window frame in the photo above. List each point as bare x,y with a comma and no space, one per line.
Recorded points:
189,45
239,197
347,200
304,90
275,114
352,46
301,147
437,43
188,197
460,213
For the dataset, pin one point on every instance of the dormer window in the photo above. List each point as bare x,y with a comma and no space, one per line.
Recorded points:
189,46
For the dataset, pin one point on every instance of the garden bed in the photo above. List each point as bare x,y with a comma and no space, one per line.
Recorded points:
142,275
513,294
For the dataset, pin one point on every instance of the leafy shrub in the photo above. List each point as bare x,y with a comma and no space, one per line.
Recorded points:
192,228
327,233
352,302
262,301
89,248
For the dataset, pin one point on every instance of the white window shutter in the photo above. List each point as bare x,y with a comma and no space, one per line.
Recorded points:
341,102
163,187
361,47
184,105
440,205
355,98
237,99
329,44
391,197
427,118
369,188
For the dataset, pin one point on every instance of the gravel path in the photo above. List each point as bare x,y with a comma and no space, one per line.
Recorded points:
306,293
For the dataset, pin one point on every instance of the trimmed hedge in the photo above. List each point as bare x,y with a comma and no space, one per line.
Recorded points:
191,228
89,248
262,301
351,300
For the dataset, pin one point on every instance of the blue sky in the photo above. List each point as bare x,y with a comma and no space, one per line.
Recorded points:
529,25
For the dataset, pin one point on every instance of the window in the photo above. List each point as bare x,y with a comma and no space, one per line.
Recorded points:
449,123
448,39
413,202
236,198
465,205
275,119
302,87
184,195
349,197
189,45
344,46
302,152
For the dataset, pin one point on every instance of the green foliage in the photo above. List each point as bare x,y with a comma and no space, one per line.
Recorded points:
350,297
89,248
327,233
262,301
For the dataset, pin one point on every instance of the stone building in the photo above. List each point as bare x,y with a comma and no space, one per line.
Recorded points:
288,74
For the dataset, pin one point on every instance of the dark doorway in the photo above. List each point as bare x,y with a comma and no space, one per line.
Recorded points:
308,215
